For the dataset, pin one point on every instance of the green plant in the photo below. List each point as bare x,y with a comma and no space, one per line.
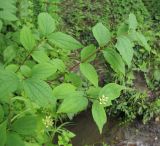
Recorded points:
8,10
79,20
42,79
64,138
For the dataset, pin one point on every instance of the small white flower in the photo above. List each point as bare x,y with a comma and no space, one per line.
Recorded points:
103,99
48,121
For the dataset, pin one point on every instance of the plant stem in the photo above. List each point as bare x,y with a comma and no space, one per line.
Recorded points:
97,50
76,65
10,112
29,54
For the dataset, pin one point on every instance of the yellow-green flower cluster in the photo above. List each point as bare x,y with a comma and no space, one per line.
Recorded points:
48,121
103,99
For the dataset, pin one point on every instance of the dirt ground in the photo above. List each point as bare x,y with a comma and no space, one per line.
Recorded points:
114,134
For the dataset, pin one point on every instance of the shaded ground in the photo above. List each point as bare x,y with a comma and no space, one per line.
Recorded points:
114,134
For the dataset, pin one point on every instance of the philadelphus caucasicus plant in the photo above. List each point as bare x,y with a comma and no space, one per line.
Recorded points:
44,80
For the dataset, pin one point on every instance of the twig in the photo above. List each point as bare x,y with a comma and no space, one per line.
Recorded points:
97,50
29,54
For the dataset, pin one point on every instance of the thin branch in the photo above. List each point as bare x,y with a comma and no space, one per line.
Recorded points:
92,54
76,65
29,54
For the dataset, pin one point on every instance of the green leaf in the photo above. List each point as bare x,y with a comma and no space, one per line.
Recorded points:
8,10
46,23
115,60
6,15
102,34
39,92
43,70
93,92
99,115
12,67
73,104
26,125
70,134
111,90
156,74
132,22
64,41
8,5
87,52
9,54
14,139
25,70
64,90
27,39
122,29
40,56
142,41
132,35
8,83
90,73
31,144
1,114
1,25
74,79
3,134
59,64
124,46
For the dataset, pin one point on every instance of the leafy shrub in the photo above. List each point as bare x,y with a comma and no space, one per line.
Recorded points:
42,79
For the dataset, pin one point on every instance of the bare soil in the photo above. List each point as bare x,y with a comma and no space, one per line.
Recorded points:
114,134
